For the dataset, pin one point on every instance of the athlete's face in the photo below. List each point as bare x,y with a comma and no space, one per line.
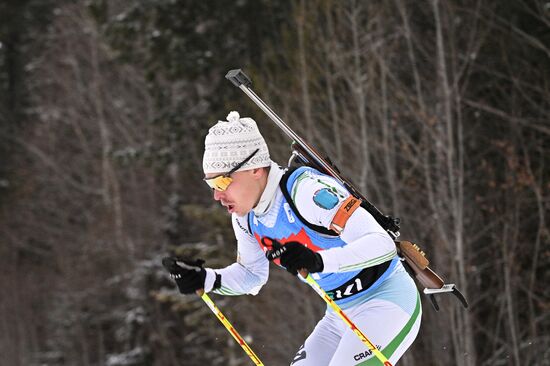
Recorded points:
244,192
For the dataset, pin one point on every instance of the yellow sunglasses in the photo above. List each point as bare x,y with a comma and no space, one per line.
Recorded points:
222,181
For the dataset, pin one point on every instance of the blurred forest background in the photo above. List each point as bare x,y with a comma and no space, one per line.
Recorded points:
438,110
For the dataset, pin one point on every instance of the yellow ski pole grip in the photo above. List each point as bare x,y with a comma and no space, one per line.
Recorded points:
204,296
304,273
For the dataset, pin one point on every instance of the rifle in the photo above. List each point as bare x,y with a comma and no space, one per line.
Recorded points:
413,258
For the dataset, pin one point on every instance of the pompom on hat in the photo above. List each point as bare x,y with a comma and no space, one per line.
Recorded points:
230,142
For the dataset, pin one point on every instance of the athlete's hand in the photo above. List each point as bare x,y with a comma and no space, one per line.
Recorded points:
189,275
295,256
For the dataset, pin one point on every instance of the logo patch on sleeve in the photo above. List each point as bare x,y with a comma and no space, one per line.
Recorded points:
326,199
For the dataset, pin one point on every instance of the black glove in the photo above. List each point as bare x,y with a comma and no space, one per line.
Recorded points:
294,256
189,275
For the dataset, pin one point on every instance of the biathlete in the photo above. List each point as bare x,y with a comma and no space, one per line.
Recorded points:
346,251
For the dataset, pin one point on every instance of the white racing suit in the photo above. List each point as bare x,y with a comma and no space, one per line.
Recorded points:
361,273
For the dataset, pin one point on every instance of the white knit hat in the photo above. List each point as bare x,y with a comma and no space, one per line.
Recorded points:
229,143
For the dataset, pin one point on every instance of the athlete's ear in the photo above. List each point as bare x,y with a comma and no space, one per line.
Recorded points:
257,173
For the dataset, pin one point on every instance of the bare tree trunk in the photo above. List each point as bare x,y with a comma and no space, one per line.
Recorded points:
402,7
330,65
454,174
111,185
507,260
358,90
388,139
306,99
542,233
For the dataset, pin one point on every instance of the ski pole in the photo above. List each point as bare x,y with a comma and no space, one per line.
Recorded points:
204,296
275,252
173,265
344,317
